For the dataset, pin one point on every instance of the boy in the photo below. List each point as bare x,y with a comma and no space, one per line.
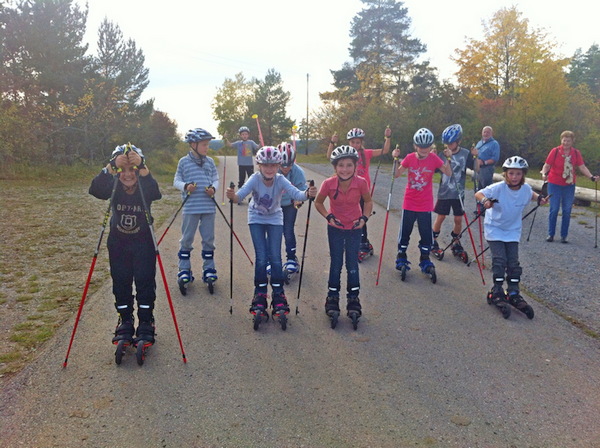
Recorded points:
246,149
451,192
131,251
418,199
197,176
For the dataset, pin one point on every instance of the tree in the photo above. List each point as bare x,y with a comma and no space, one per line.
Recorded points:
585,69
230,104
269,102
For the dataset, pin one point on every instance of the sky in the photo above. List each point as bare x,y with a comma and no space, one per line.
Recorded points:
192,46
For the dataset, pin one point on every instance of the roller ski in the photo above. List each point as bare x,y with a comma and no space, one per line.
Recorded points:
437,251
365,251
184,280
332,309
290,269
280,309
210,277
497,297
457,250
515,299
144,339
402,264
354,311
258,309
428,269
123,338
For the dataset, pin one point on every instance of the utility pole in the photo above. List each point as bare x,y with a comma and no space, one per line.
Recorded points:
307,134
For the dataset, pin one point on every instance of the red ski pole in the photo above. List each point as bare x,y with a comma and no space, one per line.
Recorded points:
260,136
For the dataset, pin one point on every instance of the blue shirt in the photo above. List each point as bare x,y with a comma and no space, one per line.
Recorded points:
245,152
488,150
298,179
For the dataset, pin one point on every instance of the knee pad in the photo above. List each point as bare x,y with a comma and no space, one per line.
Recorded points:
208,254
184,254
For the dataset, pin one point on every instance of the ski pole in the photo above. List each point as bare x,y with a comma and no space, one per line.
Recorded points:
387,215
187,196
311,183
377,170
260,136
467,228
596,230
224,172
231,185
294,128
149,219
91,271
231,228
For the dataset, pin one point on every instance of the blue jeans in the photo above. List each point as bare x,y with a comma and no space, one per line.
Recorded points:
423,220
289,221
267,247
562,196
340,242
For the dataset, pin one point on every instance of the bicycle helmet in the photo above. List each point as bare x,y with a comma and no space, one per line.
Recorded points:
515,162
268,154
355,133
243,129
288,154
423,138
451,134
197,135
124,149
343,152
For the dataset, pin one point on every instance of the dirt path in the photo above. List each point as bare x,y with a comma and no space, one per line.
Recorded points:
430,365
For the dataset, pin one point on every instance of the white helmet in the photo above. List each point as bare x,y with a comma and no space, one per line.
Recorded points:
268,154
423,138
288,154
342,152
515,162
355,133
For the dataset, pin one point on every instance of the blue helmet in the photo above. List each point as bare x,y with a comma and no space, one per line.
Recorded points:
452,133
197,135
423,138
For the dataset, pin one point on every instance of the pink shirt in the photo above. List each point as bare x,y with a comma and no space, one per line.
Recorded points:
346,205
418,196
556,160
362,169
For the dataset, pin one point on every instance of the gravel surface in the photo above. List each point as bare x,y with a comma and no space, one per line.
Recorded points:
429,366
564,277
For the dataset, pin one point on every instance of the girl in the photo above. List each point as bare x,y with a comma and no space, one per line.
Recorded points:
505,201
265,219
356,139
345,220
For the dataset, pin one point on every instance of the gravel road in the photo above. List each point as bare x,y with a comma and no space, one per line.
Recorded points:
429,366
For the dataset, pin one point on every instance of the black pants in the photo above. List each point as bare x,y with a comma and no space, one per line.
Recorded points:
133,260
245,170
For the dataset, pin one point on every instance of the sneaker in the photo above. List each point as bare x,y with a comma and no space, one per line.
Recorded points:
550,238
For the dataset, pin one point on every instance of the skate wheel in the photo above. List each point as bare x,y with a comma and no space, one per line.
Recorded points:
140,352
354,317
283,321
505,310
433,275
489,298
439,255
182,289
464,257
403,273
120,351
256,321
529,312
211,287
334,319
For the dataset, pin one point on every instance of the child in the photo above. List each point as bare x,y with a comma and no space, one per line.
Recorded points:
131,251
356,138
505,201
246,149
418,199
265,219
345,219
451,192
197,176
295,175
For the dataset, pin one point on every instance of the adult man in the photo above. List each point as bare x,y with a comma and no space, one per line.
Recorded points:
487,152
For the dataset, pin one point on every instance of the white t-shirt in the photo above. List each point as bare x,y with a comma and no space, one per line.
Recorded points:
503,222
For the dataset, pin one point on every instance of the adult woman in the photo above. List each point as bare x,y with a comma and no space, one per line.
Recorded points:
559,171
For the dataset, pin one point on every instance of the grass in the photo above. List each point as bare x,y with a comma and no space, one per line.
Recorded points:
50,226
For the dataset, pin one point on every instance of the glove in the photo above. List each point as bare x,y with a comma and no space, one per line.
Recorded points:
336,221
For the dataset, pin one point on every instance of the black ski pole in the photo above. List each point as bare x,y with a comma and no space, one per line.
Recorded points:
187,196
231,185
311,183
596,237
91,271
149,219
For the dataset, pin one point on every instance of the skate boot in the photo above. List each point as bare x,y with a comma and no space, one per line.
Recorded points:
332,309
365,250
280,309
354,310
145,338
210,277
184,279
436,251
123,336
259,309
515,299
290,268
402,264
497,297
457,250
428,268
